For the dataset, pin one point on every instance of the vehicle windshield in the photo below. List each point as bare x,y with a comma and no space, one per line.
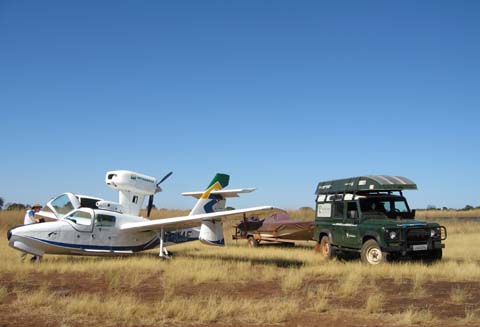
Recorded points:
385,207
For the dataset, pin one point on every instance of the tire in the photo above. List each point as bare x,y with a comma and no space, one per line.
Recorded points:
372,254
252,242
325,247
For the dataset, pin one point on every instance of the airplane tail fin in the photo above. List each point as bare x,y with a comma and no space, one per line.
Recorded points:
211,232
208,202
213,199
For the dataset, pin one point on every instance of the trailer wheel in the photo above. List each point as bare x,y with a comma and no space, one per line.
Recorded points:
325,248
252,242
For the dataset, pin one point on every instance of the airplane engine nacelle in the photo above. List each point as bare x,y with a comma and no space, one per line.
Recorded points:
132,188
129,181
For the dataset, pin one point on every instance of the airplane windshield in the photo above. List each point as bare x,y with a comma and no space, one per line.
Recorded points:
80,217
62,204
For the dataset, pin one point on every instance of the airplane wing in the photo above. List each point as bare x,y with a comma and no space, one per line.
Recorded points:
226,193
195,220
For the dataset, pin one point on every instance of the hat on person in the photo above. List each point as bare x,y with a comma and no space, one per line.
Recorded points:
36,205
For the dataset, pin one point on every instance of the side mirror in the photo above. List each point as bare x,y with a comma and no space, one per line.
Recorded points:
414,211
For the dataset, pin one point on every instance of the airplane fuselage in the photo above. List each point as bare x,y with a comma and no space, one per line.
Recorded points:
86,225
98,235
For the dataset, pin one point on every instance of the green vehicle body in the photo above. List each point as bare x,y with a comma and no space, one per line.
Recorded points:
352,211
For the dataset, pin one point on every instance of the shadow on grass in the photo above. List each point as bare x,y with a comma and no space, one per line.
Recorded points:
344,257
280,263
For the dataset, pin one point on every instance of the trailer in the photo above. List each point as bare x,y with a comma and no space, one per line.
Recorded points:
278,228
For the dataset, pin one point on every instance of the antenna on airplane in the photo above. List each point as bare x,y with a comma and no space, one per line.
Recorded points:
150,199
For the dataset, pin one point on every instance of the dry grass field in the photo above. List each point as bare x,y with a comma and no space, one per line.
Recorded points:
236,285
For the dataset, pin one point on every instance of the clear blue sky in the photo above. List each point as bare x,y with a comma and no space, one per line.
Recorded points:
280,94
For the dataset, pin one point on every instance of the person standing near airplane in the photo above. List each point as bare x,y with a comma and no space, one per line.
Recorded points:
31,219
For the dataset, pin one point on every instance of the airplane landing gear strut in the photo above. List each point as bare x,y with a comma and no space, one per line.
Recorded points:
163,250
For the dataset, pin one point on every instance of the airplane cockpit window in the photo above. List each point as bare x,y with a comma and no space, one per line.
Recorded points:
104,220
62,204
80,217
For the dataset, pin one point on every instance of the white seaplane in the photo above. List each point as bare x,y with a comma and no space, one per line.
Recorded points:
85,225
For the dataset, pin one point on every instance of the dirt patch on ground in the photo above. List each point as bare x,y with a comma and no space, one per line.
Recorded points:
399,296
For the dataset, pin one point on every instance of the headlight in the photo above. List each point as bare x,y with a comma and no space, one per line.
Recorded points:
435,232
392,235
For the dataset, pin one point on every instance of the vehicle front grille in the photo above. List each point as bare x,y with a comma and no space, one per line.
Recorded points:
418,235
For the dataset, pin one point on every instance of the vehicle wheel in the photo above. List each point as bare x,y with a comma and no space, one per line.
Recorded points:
325,248
371,253
252,242
434,255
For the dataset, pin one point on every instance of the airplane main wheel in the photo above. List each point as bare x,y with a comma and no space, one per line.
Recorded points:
252,242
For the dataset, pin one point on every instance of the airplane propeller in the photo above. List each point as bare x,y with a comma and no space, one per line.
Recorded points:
150,199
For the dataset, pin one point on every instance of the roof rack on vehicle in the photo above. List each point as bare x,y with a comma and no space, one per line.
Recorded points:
366,183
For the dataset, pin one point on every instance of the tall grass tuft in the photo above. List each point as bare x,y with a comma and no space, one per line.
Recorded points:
418,289
3,293
458,295
375,302
292,280
317,298
412,317
349,284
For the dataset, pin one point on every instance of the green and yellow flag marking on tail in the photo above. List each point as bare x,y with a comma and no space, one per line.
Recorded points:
218,182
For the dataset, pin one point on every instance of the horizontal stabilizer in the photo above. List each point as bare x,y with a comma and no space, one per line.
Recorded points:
224,193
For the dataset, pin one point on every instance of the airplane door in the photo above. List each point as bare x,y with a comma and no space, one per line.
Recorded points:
80,230
104,231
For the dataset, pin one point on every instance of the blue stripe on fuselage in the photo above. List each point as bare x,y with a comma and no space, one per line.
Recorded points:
146,246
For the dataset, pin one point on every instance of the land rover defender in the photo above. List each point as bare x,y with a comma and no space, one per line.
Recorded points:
369,215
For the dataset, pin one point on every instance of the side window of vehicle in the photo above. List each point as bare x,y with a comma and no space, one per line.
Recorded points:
352,211
400,206
324,210
385,206
337,209
104,221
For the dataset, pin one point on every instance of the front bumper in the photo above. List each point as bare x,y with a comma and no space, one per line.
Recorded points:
413,248
406,245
